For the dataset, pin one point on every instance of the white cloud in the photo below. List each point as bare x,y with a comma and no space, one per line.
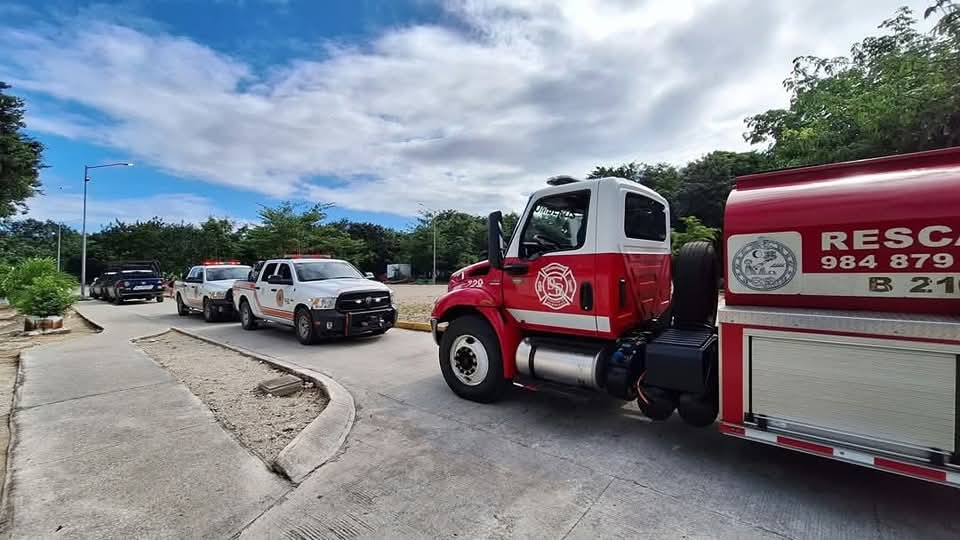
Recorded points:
472,117
67,208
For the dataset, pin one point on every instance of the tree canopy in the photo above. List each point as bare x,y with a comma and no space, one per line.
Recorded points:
20,156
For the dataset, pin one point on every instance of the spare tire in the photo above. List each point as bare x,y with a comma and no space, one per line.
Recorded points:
696,283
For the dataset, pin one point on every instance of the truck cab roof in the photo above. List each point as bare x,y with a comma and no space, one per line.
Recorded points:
570,183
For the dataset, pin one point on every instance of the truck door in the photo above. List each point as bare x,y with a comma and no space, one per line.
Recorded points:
549,271
193,281
275,299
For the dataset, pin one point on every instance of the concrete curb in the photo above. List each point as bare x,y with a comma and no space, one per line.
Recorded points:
322,439
87,318
410,325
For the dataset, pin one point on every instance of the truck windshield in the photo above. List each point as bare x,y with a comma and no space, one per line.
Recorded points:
319,270
220,274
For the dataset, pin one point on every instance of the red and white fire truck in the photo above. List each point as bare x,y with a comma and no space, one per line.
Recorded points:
838,335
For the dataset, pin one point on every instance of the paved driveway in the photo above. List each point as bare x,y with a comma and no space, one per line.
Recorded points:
422,463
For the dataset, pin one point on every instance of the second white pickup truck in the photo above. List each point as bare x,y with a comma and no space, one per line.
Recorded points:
208,288
319,297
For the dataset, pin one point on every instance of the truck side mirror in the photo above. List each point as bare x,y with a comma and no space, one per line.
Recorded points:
495,239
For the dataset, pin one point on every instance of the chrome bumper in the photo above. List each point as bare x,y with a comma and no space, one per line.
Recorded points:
434,332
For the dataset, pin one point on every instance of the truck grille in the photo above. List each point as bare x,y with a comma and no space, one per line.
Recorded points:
363,301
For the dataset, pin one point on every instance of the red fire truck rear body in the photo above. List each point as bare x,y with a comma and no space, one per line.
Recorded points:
840,335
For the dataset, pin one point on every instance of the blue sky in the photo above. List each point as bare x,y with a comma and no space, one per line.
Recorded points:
378,106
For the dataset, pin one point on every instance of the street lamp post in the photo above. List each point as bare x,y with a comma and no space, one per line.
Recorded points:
83,248
433,222
59,234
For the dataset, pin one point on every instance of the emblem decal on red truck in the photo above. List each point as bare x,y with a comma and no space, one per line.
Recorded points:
764,265
556,286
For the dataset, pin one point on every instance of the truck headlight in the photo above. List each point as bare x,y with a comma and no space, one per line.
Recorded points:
323,302
393,299
218,295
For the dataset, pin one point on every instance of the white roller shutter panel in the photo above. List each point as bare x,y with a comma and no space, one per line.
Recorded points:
889,393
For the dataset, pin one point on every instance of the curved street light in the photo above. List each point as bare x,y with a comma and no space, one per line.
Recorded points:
83,249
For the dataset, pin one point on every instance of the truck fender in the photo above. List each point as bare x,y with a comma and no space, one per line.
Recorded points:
461,302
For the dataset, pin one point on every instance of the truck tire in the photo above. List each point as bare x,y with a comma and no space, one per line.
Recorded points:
209,313
247,320
160,299
470,360
659,403
303,327
182,309
117,300
695,285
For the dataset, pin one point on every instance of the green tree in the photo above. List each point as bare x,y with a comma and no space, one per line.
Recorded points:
287,228
663,178
692,231
706,182
20,156
20,239
896,92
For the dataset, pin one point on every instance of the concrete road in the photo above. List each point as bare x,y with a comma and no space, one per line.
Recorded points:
422,463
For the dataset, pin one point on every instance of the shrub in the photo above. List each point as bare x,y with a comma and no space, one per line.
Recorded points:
45,296
29,272
693,231
5,270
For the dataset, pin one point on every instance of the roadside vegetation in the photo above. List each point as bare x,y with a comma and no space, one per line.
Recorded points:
895,92
34,286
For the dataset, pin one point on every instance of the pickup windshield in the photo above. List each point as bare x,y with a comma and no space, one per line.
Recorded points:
320,270
220,274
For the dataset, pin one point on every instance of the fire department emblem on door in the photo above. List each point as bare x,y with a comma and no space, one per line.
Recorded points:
280,297
764,265
556,286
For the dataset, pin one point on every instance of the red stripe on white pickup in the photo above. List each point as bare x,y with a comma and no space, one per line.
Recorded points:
844,454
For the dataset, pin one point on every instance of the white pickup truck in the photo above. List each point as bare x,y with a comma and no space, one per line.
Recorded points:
319,297
208,288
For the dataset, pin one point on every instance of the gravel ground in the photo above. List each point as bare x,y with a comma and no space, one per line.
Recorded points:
226,382
415,302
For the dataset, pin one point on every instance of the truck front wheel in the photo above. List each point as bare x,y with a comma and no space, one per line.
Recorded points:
470,360
209,311
182,309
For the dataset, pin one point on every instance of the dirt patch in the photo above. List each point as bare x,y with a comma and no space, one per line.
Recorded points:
414,312
226,381
415,302
11,326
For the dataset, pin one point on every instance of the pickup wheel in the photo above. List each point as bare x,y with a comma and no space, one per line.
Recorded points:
160,299
182,309
117,300
209,312
303,326
247,320
470,360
